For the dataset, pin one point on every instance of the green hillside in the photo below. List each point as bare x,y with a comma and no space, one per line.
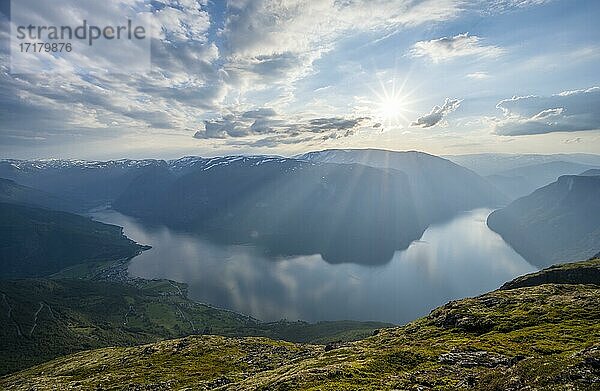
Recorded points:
42,319
38,242
542,337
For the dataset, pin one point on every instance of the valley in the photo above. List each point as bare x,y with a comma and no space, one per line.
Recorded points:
282,195
301,255
458,258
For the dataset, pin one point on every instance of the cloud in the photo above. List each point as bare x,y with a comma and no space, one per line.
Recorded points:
478,75
182,20
575,140
184,83
437,114
447,48
549,113
223,66
277,41
198,62
265,121
497,6
567,111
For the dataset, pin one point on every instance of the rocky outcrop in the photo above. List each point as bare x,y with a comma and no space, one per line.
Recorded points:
585,273
478,359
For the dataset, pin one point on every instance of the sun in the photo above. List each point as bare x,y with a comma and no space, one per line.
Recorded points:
392,103
390,108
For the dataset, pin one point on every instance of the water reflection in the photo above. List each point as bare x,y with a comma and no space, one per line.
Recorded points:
452,260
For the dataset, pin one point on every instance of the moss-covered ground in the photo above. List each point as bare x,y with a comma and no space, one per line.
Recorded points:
541,337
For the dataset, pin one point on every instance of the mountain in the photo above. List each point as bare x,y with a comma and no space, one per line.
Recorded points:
543,336
86,184
13,193
519,182
359,211
556,222
513,186
592,172
440,187
38,242
42,319
486,164
347,213
542,174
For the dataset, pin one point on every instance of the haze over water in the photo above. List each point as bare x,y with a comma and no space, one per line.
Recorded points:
456,259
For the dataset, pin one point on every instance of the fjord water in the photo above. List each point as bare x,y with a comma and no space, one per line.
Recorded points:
456,259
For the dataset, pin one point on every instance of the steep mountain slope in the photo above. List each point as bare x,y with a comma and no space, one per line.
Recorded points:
542,337
513,186
558,222
44,319
440,187
38,242
347,213
13,193
527,179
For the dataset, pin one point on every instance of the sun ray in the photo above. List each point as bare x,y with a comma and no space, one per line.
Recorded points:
392,101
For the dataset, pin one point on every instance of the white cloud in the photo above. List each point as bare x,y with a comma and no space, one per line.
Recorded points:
184,82
203,69
437,114
285,37
267,122
478,75
505,5
567,111
447,48
182,20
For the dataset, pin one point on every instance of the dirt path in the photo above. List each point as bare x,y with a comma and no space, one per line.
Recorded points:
9,314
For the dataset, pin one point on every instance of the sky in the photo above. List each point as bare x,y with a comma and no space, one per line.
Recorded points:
287,76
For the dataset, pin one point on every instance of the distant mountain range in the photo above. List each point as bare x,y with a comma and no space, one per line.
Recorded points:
493,163
346,213
592,172
556,223
521,181
440,187
85,184
348,205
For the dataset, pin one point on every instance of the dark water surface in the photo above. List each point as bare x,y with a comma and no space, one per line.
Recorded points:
459,258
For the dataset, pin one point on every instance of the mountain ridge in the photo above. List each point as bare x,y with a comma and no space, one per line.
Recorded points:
532,224
37,242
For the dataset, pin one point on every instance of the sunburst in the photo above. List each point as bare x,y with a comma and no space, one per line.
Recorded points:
392,102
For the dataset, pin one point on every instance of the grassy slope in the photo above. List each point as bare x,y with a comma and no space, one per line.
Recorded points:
76,306
75,315
538,337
